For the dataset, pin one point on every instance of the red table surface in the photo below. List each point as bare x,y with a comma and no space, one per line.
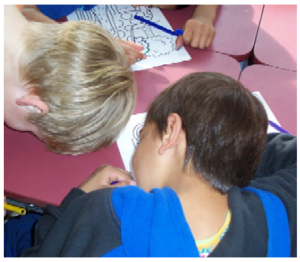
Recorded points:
34,175
276,43
279,88
236,27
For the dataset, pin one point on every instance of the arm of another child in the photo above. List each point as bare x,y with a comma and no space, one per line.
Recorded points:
199,31
33,13
132,50
85,204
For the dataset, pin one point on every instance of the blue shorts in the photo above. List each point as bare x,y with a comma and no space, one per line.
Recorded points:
19,234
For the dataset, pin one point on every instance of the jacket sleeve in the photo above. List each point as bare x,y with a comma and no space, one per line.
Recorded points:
277,174
83,225
280,153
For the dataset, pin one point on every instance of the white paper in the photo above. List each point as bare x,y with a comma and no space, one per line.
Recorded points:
269,112
129,137
159,46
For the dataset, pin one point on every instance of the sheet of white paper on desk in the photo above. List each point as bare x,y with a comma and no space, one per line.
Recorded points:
129,137
269,112
159,46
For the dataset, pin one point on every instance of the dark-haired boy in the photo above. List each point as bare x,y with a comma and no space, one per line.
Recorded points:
203,140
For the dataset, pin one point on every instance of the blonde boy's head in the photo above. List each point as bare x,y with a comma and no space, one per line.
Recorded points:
81,73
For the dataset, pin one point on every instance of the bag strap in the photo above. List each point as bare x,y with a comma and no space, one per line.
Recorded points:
279,241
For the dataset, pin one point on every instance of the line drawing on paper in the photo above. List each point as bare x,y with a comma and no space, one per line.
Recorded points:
136,134
119,21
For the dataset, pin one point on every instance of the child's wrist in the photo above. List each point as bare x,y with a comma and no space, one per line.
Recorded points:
205,12
207,17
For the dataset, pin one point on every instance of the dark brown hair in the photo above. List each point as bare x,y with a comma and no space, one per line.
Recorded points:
225,126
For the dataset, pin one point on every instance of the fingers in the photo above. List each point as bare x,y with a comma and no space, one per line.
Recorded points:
210,39
136,46
132,51
197,39
123,183
202,42
111,174
179,42
187,35
131,44
134,56
104,176
120,175
198,34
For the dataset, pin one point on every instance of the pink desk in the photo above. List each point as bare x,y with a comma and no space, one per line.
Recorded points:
152,81
236,28
34,175
279,88
276,43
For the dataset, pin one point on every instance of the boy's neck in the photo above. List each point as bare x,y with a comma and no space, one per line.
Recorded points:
205,209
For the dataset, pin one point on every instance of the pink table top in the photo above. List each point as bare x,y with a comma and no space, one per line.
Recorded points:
279,88
34,175
152,81
276,43
236,27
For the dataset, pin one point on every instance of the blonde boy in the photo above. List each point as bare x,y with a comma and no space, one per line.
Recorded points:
69,84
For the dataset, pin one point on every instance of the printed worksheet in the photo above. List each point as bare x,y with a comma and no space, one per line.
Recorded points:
129,137
119,20
269,112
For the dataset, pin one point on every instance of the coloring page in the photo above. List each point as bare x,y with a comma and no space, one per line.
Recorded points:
269,112
119,20
129,137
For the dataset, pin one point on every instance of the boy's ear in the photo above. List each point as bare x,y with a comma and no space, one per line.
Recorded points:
171,135
35,101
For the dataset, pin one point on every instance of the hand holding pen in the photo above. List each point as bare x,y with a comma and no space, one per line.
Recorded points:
198,31
107,176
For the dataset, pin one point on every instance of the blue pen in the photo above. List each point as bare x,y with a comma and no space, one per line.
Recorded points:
278,128
176,32
114,182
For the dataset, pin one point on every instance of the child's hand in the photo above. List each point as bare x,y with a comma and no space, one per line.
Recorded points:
103,176
132,50
199,32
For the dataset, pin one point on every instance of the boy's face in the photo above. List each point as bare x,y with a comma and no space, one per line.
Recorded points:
146,160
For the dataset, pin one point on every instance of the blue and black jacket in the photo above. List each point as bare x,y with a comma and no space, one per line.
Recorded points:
128,222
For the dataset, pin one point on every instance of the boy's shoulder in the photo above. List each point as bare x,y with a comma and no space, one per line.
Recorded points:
136,196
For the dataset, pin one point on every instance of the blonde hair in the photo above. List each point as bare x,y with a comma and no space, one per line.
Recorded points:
81,72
